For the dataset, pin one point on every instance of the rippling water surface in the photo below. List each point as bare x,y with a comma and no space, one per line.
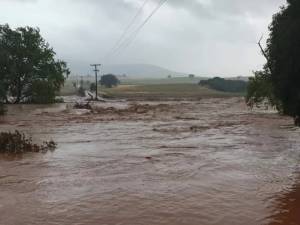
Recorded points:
199,163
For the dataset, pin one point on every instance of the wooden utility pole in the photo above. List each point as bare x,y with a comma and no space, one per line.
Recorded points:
96,77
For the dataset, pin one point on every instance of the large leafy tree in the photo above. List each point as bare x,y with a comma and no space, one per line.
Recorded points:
279,82
29,71
109,80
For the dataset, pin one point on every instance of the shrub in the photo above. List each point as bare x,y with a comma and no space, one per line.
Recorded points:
41,93
17,143
220,84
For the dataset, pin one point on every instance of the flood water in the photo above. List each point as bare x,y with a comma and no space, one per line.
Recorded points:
180,163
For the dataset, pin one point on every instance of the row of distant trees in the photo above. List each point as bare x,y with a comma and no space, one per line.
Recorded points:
224,85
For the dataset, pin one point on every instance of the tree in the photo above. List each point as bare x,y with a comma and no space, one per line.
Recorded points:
28,69
260,90
109,80
281,73
191,76
220,84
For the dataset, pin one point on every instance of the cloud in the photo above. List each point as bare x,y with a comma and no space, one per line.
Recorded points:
231,8
197,36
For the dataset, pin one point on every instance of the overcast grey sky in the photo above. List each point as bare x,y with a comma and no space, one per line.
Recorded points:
205,37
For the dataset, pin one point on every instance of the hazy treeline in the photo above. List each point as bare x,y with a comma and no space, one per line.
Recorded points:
220,84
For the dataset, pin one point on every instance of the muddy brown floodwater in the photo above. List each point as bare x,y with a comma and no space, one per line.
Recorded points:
160,163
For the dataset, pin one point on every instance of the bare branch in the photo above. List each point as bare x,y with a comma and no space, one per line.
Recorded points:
261,48
264,53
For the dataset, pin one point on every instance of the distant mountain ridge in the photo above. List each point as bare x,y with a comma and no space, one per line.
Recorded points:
140,71
148,71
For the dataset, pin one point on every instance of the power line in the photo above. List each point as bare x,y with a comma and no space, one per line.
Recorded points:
132,22
134,34
139,12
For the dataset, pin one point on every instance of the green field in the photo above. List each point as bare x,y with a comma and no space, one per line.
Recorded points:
173,80
154,89
163,91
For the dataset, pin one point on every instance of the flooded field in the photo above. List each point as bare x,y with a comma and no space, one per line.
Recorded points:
213,161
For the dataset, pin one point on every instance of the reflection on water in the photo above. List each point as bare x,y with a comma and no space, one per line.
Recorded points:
212,162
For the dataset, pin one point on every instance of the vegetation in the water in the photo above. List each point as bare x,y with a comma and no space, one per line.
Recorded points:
17,143
85,105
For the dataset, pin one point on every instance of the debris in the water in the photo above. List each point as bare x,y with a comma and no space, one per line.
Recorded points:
85,105
133,108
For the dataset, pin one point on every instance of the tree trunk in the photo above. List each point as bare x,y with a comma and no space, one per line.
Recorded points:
19,91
